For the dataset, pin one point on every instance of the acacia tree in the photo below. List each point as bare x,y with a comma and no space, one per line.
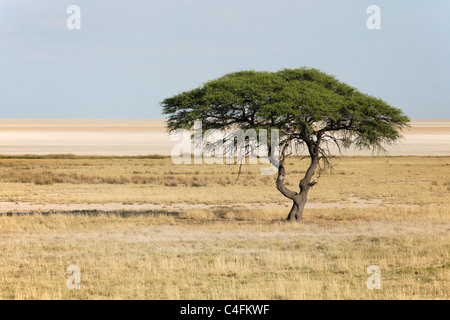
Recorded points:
311,109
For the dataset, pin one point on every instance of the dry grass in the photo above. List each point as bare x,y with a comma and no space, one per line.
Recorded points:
394,180
211,257
225,252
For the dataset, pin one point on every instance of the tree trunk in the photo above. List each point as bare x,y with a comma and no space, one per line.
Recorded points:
298,205
299,199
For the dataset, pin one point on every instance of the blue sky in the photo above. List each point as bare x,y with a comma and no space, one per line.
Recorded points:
130,55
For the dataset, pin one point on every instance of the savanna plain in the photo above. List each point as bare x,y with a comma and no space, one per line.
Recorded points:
141,227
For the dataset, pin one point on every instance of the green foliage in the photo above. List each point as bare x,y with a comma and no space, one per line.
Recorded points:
308,107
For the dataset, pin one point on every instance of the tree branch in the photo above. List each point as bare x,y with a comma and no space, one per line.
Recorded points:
281,175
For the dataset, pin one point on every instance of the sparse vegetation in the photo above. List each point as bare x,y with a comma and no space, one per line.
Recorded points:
393,180
228,255
226,251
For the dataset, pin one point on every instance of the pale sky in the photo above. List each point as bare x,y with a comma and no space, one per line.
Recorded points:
130,55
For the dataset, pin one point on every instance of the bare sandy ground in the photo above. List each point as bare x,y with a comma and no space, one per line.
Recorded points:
149,136
352,202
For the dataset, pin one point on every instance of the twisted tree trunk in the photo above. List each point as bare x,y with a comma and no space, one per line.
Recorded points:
298,198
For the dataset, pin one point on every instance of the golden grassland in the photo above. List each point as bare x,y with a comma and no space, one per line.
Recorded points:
225,252
73,179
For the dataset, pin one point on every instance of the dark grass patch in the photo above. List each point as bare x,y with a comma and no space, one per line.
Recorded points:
94,213
81,157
